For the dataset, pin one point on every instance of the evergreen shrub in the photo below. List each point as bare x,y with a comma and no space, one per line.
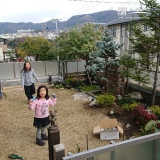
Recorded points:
130,107
105,99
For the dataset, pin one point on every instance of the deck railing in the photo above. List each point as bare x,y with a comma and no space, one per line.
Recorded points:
141,148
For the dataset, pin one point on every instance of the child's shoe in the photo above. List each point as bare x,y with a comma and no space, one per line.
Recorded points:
44,137
40,142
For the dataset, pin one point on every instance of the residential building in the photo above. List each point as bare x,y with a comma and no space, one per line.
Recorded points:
3,48
119,29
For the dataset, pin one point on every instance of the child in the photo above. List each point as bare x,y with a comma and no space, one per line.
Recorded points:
26,80
41,119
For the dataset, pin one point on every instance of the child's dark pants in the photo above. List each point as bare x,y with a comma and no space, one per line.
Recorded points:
29,91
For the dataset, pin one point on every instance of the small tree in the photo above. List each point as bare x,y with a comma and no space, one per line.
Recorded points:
34,46
130,69
77,42
147,45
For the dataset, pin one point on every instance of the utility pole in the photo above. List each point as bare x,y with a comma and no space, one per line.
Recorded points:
56,21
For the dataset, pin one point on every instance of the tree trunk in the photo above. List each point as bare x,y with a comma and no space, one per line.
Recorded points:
37,58
127,80
155,80
106,76
127,83
87,74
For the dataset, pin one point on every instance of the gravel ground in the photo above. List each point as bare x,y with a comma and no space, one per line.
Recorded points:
75,119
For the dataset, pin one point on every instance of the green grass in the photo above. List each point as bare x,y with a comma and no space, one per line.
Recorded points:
90,88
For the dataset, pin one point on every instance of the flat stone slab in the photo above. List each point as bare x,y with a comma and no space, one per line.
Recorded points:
82,96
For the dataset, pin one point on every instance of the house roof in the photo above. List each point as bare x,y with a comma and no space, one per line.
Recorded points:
125,19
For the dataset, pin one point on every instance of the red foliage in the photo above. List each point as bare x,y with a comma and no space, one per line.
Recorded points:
142,116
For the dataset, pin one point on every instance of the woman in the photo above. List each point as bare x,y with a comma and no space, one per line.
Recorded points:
26,80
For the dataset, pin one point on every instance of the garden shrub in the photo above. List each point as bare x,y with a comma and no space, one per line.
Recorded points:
155,110
126,100
79,83
130,107
69,80
105,99
74,83
151,127
142,116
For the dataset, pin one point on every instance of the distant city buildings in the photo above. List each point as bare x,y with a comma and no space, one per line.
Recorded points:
29,33
25,31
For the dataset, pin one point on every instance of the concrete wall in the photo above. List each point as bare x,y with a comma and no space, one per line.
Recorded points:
10,72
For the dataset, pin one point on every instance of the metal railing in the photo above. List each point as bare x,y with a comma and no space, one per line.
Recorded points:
141,148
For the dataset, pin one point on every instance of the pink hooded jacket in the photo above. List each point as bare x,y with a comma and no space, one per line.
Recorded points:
41,107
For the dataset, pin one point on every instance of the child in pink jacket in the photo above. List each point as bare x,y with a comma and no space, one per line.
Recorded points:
41,119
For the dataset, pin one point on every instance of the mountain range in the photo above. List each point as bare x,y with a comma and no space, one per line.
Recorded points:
98,17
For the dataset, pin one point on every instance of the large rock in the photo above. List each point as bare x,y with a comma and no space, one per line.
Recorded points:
136,95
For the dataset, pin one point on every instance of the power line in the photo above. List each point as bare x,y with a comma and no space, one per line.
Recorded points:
87,8
126,5
101,1
92,6
75,11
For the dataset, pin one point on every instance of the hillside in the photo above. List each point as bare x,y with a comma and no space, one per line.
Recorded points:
98,17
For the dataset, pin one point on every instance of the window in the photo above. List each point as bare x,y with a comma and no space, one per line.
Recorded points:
121,31
126,31
112,31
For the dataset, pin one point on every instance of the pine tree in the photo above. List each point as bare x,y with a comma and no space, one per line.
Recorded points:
103,60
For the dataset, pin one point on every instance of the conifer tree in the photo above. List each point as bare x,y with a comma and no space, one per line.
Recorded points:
103,60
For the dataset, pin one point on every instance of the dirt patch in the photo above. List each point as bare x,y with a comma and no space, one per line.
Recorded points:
75,119
124,119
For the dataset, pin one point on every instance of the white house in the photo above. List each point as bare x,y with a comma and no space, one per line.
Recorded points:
3,48
118,28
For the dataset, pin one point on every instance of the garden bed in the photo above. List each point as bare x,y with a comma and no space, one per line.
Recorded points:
123,117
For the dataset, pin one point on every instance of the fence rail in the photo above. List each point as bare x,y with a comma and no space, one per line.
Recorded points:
141,148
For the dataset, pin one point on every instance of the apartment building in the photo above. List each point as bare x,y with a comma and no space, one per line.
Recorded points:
119,29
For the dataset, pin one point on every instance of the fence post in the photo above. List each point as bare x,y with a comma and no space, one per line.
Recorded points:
53,135
59,151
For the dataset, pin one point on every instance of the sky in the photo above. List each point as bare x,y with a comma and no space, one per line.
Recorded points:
38,11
